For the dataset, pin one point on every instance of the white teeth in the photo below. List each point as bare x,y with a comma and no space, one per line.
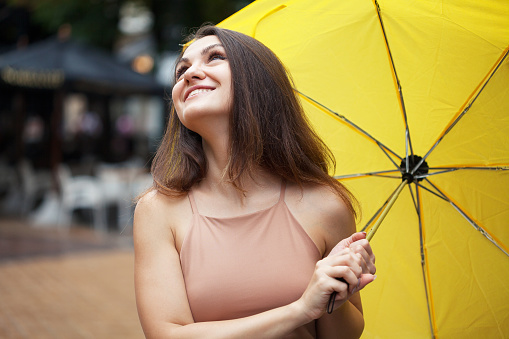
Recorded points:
198,91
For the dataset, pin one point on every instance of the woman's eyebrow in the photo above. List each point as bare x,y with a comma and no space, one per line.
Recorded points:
209,47
203,51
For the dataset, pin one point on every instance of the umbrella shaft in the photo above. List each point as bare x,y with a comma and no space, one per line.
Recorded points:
391,202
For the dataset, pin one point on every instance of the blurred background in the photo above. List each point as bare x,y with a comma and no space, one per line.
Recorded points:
83,105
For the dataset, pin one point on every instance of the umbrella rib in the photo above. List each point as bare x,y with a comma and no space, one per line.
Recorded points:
362,175
368,174
466,109
474,224
434,193
453,169
390,158
422,176
489,168
408,140
384,148
407,163
425,273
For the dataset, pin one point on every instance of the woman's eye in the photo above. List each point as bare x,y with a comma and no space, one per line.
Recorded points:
213,56
216,56
180,72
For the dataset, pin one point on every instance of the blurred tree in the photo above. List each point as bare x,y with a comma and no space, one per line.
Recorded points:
93,21
16,26
175,18
96,21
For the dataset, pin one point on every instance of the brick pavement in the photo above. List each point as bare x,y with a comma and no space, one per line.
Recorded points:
65,285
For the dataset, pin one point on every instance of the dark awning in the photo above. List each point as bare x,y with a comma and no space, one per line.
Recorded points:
53,64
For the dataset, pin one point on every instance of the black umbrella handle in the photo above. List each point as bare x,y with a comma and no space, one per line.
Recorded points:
332,298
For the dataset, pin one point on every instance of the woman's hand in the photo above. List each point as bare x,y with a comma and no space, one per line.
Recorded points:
351,259
358,243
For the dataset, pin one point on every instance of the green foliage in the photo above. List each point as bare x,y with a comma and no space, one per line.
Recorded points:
93,21
174,19
96,21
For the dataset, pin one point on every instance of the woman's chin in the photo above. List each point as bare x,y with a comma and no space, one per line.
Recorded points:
204,123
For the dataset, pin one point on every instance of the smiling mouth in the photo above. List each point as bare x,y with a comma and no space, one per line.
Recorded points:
198,91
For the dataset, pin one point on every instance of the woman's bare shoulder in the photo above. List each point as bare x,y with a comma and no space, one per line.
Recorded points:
320,200
153,200
322,212
157,211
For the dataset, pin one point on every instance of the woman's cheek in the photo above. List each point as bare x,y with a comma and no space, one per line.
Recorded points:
175,95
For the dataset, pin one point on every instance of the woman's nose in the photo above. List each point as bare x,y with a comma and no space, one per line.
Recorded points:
194,72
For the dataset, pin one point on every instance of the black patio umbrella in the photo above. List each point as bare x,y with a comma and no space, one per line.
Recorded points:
56,63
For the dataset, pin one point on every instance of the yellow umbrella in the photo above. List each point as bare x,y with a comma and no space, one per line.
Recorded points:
412,97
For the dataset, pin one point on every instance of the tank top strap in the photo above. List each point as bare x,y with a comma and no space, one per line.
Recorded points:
193,203
283,190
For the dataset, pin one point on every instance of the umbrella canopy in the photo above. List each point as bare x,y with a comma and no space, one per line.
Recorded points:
54,63
413,92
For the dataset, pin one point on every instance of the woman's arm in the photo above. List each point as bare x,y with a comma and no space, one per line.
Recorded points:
161,297
347,320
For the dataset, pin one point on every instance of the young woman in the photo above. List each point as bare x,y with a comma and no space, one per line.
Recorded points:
233,241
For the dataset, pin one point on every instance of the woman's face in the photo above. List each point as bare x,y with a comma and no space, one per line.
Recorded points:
203,88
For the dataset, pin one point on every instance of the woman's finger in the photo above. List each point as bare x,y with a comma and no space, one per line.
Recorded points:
364,280
345,243
364,249
350,275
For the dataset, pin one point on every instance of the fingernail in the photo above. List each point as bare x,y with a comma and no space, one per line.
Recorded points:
374,277
363,232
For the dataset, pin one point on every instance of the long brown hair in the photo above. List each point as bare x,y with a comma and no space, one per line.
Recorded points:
268,127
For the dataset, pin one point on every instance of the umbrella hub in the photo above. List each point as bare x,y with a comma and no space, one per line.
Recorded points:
408,172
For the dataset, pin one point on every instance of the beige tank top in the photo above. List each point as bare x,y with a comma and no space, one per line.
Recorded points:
240,266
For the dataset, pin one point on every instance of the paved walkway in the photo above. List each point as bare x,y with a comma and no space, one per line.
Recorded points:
58,284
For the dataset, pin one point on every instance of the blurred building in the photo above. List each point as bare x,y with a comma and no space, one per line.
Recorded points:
74,119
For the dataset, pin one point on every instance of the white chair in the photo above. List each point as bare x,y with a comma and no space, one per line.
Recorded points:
33,184
81,192
115,186
139,184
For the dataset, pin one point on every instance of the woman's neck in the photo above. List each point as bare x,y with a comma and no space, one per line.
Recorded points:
220,198
217,178
217,181
216,153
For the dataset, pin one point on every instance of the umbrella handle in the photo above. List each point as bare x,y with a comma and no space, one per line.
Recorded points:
392,200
